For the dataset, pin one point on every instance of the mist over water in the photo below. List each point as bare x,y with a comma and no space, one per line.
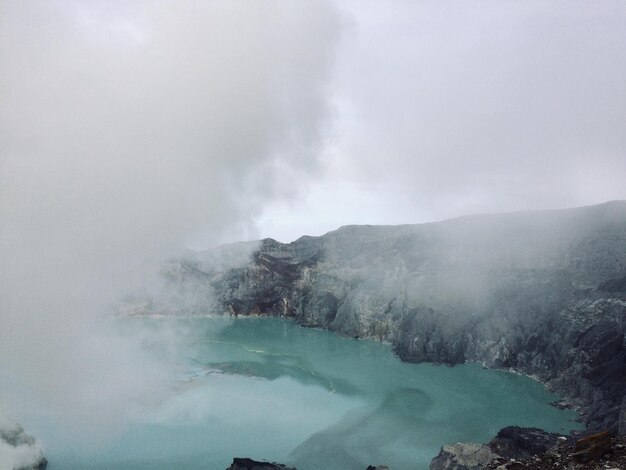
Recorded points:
269,389
127,132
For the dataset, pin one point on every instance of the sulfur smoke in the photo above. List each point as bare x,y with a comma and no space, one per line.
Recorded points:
128,130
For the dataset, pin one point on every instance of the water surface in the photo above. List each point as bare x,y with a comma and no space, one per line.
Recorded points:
268,389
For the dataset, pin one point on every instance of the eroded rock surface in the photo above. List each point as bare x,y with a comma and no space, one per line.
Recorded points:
564,456
512,442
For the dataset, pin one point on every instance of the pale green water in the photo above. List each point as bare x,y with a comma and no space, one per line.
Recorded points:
268,389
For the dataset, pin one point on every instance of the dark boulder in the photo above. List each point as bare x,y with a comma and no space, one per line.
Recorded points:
463,456
514,442
511,443
249,464
592,447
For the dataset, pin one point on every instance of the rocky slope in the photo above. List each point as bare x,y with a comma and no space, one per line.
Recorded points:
543,293
596,452
517,448
510,444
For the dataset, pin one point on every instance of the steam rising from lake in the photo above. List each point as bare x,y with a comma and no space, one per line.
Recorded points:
129,130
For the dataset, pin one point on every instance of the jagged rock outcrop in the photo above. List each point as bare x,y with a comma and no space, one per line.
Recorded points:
565,455
512,442
463,456
542,293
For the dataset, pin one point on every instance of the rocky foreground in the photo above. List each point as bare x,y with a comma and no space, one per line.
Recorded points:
596,452
516,448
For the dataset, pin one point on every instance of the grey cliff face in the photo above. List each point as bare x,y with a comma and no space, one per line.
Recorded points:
543,293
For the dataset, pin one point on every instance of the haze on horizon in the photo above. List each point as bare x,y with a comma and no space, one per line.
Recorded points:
130,130
445,109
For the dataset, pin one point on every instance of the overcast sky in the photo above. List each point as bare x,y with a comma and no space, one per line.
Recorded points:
362,112
448,108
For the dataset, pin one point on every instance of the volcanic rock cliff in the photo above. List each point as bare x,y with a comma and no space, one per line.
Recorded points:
543,293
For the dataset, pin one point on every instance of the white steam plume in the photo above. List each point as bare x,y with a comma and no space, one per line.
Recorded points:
127,129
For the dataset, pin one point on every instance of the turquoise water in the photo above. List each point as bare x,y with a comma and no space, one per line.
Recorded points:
268,389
